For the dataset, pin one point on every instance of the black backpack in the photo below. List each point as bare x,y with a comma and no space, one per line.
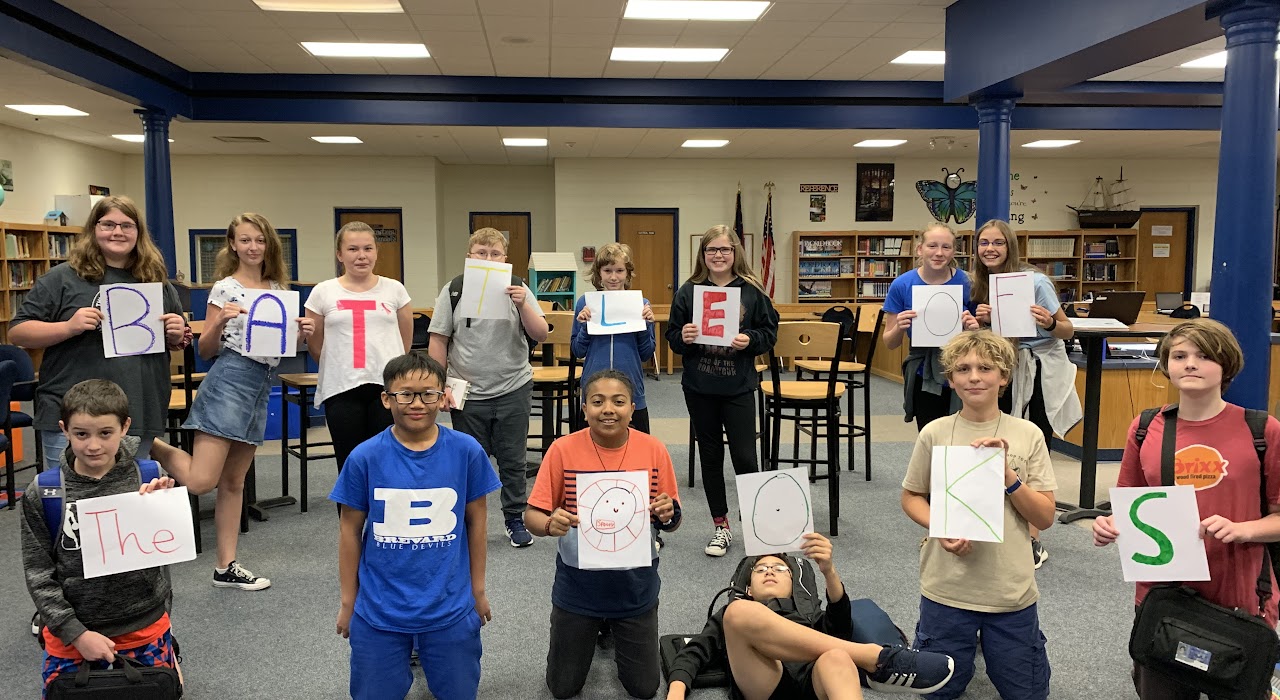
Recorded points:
455,293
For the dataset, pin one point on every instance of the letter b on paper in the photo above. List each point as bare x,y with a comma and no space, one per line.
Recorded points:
966,493
131,322
1159,534
716,312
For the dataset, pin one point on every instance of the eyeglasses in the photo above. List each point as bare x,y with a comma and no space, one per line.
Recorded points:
727,250
109,226
404,398
766,568
998,243
489,255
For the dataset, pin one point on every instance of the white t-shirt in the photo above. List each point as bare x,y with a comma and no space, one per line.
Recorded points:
229,290
361,333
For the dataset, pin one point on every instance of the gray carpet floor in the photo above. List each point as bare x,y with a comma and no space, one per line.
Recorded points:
280,643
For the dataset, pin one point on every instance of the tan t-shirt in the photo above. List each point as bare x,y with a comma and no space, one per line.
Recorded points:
994,577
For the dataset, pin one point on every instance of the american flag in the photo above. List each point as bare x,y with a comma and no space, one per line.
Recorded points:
766,261
737,215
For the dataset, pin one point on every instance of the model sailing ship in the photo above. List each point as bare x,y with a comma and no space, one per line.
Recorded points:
1104,206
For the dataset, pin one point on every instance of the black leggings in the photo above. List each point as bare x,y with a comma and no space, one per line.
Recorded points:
929,407
714,417
354,416
1035,410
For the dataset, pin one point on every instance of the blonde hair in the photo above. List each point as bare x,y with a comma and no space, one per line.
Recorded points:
741,266
272,260
350,227
919,241
487,236
612,254
1215,340
980,274
990,347
146,264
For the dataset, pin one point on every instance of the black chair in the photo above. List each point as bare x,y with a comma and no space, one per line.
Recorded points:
8,375
24,389
556,387
421,331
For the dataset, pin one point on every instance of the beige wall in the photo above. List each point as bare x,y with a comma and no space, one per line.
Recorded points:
44,166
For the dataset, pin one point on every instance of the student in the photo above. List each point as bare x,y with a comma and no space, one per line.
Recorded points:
984,588
362,321
1201,357
583,601
415,578
926,393
719,382
60,314
94,619
229,413
493,356
1044,380
613,271
773,650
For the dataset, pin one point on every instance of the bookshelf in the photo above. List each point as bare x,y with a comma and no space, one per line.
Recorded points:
1084,261
29,251
855,266
554,277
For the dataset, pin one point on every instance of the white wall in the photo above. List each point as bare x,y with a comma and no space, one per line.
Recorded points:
44,166
468,188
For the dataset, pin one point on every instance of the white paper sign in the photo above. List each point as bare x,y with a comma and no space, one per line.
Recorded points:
966,493
615,312
484,289
1160,250
459,387
271,326
1012,294
939,314
613,520
128,532
716,312
1159,534
1201,301
1162,230
776,510
132,324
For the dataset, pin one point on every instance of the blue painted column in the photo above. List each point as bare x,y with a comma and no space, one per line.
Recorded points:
994,115
1244,228
159,184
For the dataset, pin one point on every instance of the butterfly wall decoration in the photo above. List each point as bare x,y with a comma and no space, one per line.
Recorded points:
950,198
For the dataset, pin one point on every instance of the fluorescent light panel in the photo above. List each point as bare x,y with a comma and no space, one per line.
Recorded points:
1213,60
524,142
132,138
365,50
368,6
718,10
629,53
705,143
879,143
923,58
336,139
1051,143
49,110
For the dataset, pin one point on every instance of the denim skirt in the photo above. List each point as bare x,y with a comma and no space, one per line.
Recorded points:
231,402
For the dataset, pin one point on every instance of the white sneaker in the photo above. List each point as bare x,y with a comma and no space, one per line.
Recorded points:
719,544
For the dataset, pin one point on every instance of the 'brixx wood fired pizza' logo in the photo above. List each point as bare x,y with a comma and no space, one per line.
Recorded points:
1200,466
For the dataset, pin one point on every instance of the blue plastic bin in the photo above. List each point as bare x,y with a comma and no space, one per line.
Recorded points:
273,418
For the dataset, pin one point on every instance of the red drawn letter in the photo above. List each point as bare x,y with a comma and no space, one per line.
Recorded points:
357,307
709,299
163,537
102,545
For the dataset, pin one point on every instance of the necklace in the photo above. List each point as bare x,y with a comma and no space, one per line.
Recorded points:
1000,417
625,446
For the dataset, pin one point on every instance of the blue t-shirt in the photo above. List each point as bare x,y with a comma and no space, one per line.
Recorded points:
415,565
899,297
1047,297
625,352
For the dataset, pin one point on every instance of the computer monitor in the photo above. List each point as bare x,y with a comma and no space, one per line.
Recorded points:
1166,302
1122,306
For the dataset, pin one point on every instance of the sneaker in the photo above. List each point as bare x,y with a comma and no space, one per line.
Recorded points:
519,535
236,576
1039,554
660,543
903,670
719,544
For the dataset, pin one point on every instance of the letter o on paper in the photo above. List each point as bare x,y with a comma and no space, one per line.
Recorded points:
941,305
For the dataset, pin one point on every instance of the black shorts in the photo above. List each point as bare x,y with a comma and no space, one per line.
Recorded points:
790,687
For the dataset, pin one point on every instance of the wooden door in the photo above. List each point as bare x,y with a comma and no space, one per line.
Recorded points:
1163,254
652,238
387,234
515,225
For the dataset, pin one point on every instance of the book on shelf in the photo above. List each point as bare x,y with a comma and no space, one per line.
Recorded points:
879,268
846,266
821,268
885,245
822,246
1113,247
817,289
1058,270
874,289
59,245
1095,249
21,275
1100,272
1051,247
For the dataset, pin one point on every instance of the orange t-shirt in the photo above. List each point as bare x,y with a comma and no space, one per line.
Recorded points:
129,640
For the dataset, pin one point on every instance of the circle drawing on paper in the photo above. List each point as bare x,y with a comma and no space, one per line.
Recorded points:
949,307
616,514
780,511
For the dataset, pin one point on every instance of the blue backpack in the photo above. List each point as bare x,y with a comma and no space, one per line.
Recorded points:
51,496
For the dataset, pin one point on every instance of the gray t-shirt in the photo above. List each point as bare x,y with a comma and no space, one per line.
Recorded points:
491,354
56,297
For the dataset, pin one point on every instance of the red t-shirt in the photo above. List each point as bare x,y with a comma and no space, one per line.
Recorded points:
1217,457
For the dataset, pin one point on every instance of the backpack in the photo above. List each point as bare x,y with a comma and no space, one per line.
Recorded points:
1185,311
455,293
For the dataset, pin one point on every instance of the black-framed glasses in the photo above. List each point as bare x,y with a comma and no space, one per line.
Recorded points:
404,398
725,250
109,226
765,568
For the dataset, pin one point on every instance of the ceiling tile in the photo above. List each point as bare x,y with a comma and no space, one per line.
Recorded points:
910,30
578,63
581,41
630,69
646,40
437,38
849,30
394,36
798,11
318,34
651,27
534,27
439,7
370,20
584,25
685,70
353,66
856,12
410,66
302,63
588,8
306,20
447,23
782,29
516,8
934,15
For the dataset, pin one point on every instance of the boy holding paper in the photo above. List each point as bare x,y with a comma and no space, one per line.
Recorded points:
583,601
91,620
970,587
492,355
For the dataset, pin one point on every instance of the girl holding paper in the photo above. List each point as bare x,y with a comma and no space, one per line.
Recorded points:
60,314
1044,380
229,414
719,382
926,394
613,271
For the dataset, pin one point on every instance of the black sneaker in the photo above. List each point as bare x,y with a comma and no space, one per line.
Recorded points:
1039,554
517,532
903,670
236,576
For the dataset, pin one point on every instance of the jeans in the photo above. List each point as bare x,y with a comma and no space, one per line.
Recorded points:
1012,645
501,426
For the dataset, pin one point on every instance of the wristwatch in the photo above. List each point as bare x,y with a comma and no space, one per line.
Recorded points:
1017,484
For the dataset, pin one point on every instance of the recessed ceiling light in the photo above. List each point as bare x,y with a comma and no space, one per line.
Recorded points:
1051,143
336,139
705,143
132,138
1213,60
526,143
49,110
719,10
383,6
631,53
363,50
923,58
879,143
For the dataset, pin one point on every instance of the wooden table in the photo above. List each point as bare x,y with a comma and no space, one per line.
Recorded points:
305,383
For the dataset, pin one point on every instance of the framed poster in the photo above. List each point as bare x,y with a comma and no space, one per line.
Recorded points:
748,244
875,192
